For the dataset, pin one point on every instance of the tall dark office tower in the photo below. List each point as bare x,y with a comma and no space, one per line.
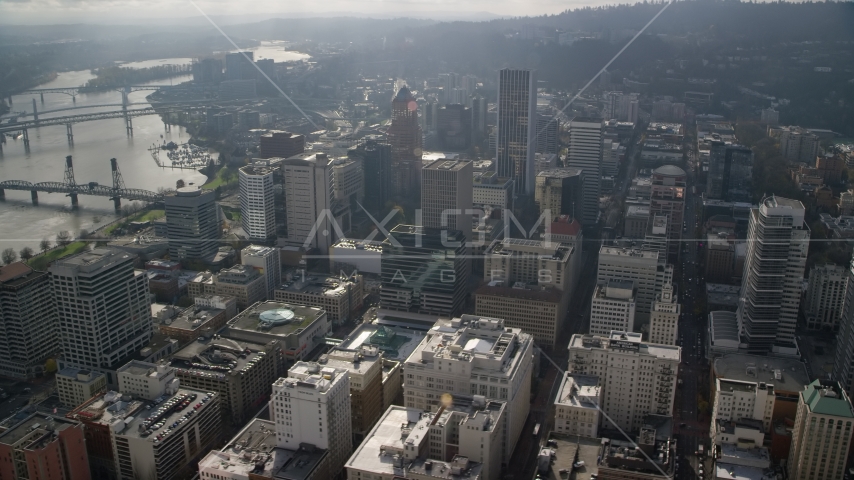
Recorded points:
547,131
585,154
192,224
207,70
454,127
667,198
376,164
281,144
239,66
29,329
843,362
422,272
478,117
404,136
103,307
730,172
777,246
558,190
516,140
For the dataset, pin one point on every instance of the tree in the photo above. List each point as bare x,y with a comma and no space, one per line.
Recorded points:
44,245
9,256
26,254
63,238
179,184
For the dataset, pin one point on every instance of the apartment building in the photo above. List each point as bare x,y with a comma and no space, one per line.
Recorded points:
638,378
825,297
821,438
472,355
257,184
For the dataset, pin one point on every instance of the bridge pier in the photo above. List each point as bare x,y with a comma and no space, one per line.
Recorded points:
2,195
35,111
70,134
167,127
74,204
35,196
42,95
129,125
117,204
74,99
26,138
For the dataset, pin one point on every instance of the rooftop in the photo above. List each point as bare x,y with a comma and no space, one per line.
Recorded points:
34,431
357,361
787,374
253,451
312,376
14,271
559,172
723,326
827,398
540,248
447,164
218,357
521,291
382,451
193,318
738,472
579,391
317,284
625,341
396,343
276,318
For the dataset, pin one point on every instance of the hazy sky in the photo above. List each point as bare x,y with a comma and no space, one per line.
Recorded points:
126,11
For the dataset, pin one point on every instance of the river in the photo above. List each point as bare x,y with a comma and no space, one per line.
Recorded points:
95,143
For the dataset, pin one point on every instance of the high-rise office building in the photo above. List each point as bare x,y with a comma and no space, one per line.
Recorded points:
638,378
730,172
376,164
516,137
471,355
446,196
627,108
453,127
239,66
424,270
644,267
28,320
281,144
667,197
664,319
192,224
312,212
613,307
266,261
103,308
257,200
843,362
610,158
312,405
364,366
585,154
825,297
478,116
404,136
778,242
547,132
207,70
821,438
537,262
558,190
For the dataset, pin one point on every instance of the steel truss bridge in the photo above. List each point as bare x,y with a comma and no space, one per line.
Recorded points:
71,188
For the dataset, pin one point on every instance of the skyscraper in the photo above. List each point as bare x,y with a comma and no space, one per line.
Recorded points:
257,205
667,197
376,164
192,224
664,321
310,201
103,308
454,127
266,261
547,132
843,362
446,196
730,172
558,190
516,138
777,245
281,144
28,321
822,434
585,154
239,66
424,272
404,135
